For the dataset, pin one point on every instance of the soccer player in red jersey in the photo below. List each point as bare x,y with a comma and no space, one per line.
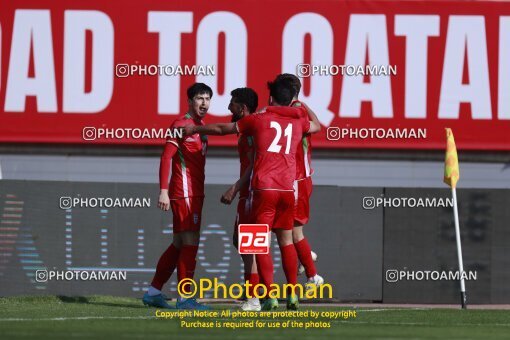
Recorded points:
243,103
303,191
277,133
184,195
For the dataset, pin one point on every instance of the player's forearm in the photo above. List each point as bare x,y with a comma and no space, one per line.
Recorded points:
244,179
218,129
164,172
210,129
164,165
315,125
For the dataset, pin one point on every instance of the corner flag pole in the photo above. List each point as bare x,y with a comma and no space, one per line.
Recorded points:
459,250
451,176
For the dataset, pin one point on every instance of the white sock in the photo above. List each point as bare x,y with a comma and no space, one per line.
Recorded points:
153,291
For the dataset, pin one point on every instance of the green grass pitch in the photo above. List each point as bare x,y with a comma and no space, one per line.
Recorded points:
105,317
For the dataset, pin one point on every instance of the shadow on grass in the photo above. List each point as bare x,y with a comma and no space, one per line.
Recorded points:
89,301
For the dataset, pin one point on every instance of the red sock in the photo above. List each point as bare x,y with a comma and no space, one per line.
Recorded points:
265,269
304,253
166,266
187,262
253,278
289,261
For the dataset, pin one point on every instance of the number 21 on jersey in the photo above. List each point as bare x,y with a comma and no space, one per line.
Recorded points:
275,144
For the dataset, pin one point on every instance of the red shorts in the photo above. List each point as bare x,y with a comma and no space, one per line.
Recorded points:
275,208
187,213
302,193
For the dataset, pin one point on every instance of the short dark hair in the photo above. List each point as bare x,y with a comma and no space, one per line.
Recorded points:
296,83
198,88
246,96
282,91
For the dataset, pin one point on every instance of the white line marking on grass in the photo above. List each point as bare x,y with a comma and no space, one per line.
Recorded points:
390,309
81,318
419,323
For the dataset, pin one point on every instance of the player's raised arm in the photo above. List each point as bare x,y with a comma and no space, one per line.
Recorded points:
315,125
218,129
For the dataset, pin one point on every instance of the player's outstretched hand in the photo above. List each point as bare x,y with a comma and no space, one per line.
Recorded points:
229,195
164,201
187,130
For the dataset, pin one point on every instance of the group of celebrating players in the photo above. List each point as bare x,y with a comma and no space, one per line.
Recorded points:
274,187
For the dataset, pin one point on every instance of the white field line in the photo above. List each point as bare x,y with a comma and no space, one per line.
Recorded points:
83,318
80,318
421,323
388,309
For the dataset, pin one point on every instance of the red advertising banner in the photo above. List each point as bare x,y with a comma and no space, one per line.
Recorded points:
379,74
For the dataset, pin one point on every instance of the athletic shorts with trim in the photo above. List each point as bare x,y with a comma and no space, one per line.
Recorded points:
187,213
273,207
302,193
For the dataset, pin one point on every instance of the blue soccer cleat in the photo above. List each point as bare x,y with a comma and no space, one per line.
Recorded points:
191,303
156,301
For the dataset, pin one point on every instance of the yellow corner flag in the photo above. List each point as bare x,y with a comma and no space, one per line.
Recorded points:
451,161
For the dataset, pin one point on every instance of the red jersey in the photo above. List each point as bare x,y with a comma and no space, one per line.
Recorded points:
244,147
304,158
277,135
303,153
188,163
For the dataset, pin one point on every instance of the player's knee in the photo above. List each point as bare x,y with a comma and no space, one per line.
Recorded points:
297,234
296,237
191,238
284,238
177,241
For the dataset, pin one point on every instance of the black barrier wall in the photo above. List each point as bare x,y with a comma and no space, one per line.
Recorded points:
424,240
356,243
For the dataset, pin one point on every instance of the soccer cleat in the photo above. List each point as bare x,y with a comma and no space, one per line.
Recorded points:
191,303
270,304
251,305
292,302
301,268
156,301
316,281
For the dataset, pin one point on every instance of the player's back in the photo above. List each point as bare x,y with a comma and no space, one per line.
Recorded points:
277,133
